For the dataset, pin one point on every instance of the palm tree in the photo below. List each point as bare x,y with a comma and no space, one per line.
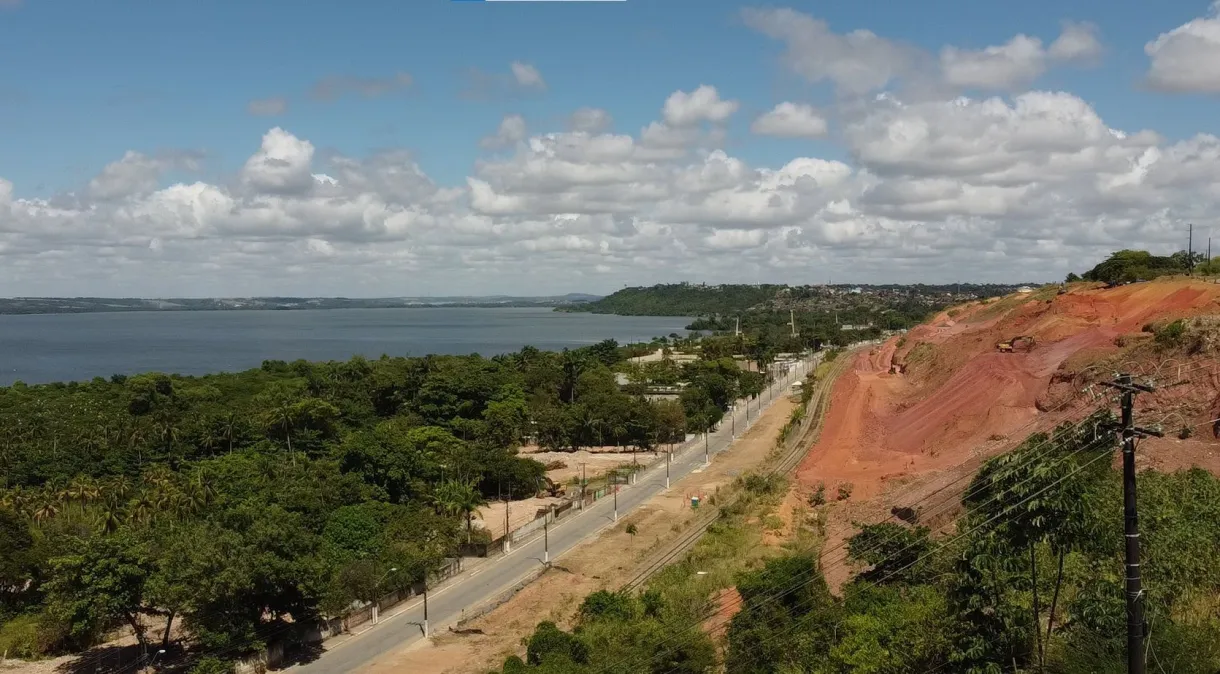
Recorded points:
282,418
141,511
459,498
46,509
110,515
229,428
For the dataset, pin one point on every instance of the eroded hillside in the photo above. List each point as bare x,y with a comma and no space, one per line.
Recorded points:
919,412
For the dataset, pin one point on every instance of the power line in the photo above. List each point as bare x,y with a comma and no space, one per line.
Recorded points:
777,595
1032,458
942,545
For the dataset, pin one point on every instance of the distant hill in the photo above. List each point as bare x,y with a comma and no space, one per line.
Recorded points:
82,305
687,299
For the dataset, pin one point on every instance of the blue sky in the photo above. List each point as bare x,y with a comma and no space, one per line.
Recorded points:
92,82
1001,141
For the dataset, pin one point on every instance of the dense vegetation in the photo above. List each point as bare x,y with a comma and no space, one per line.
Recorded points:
238,505
1126,266
766,314
679,299
1029,580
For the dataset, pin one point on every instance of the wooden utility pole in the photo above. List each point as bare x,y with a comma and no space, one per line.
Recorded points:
1136,626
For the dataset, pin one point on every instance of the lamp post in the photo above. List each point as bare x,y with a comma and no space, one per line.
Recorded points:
376,606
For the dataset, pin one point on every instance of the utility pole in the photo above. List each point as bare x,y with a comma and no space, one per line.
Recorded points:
733,421
583,481
1136,627
615,476
425,604
546,540
507,544
707,453
668,457
1190,257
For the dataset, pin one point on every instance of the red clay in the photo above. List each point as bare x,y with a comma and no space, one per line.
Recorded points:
959,399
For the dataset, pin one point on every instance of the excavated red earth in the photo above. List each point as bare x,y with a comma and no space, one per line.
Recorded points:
958,396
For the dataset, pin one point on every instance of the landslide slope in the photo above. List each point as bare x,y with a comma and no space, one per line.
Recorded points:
920,411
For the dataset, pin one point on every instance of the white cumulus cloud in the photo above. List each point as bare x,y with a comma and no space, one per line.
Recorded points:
1187,58
791,120
701,105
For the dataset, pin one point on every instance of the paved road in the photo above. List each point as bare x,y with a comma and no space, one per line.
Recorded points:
445,605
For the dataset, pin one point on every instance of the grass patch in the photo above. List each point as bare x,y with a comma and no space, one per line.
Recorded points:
919,353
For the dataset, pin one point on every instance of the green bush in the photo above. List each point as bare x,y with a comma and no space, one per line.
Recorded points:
550,641
22,637
818,497
212,665
1171,335
608,605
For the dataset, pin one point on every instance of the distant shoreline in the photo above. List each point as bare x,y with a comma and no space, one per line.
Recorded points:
89,305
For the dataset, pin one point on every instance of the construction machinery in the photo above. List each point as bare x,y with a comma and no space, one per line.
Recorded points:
551,487
1020,342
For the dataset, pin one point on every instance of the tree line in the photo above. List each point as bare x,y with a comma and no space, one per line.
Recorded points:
239,505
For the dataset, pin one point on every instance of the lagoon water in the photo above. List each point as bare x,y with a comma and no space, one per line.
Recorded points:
67,347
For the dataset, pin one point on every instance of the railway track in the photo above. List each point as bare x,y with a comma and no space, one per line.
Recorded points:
817,407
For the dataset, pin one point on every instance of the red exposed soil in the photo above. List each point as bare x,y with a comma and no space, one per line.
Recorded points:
958,399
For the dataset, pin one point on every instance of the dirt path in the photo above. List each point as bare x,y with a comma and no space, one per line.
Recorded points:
606,562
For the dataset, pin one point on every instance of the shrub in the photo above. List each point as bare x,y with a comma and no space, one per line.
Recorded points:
762,485
549,640
818,497
513,664
606,605
1185,433
212,665
22,637
845,489
1170,335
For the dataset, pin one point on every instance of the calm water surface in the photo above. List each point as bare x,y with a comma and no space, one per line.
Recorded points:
67,347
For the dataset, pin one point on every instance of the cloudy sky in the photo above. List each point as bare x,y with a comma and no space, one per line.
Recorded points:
377,148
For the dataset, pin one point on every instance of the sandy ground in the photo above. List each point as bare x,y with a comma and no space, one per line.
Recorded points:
607,561
897,438
597,461
520,513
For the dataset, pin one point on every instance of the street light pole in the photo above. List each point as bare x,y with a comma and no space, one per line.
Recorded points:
668,456
376,612
425,604
507,544
615,474
582,486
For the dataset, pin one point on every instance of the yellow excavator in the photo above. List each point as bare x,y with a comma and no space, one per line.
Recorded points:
1008,346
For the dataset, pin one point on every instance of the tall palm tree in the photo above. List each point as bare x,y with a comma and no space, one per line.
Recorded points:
229,427
282,418
459,498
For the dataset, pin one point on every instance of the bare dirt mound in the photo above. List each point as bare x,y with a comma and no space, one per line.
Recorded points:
941,398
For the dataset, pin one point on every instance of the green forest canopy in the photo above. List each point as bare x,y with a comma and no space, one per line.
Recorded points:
238,504
1125,266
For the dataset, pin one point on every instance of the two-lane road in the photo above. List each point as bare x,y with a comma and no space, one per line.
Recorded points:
470,590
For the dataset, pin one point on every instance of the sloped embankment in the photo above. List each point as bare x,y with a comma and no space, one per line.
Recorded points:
922,410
